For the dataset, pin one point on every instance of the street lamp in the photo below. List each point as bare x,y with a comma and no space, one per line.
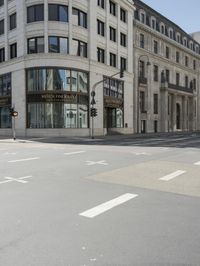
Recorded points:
138,90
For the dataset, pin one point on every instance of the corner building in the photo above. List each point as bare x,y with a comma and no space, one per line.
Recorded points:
52,52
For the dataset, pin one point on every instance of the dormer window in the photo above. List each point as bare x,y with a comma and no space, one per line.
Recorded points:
178,38
162,29
142,16
170,33
191,45
153,23
185,42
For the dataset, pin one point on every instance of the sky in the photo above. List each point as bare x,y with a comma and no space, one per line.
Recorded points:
186,14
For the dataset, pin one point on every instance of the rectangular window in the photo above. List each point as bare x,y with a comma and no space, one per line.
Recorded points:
101,3
13,21
2,55
167,52
155,103
13,50
113,60
112,8
35,13
79,18
1,2
186,60
194,84
123,39
123,64
155,72
123,15
79,48
142,102
101,55
112,34
167,75
2,27
177,79
58,13
141,69
58,45
155,47
177,57
100,27
194,64
186,82
141,40
36,45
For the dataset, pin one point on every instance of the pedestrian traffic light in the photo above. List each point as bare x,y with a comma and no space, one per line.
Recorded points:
93,112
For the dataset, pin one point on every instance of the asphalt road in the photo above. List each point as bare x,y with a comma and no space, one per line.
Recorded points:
121,200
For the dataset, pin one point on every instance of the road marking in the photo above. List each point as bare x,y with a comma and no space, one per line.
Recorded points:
22,160
141,153
197,163
19,180
74,152
172,175
103,162
91,213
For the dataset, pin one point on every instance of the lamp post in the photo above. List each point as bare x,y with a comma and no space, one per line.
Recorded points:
93,93
138,90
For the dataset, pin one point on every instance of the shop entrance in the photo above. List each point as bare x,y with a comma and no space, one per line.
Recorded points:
113,118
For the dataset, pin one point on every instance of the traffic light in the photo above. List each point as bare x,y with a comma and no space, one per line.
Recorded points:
13,112
93,112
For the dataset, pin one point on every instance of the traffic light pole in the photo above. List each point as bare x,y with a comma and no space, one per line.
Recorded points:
14,132
121,73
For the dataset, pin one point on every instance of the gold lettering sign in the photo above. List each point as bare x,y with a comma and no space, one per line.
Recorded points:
113,102
5,101
72,98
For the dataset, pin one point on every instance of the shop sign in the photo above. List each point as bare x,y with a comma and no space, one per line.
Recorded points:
5,101
113,102
52,97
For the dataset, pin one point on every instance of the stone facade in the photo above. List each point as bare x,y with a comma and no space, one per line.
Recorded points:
169,83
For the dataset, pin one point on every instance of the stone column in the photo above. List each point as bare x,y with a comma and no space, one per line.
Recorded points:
174,97
184,113
70,26
46,42
163,110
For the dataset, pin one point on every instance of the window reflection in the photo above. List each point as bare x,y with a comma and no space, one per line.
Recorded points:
57,115
57,79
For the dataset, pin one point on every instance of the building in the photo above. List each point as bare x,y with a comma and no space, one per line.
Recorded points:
54,52
166,63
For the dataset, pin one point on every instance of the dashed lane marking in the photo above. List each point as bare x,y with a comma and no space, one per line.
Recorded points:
197,163
91,213
22,160
74,152
103,162
172,175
